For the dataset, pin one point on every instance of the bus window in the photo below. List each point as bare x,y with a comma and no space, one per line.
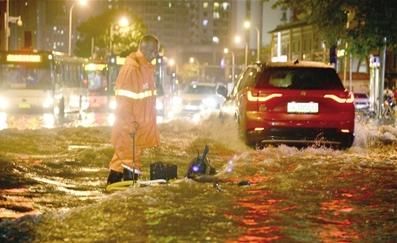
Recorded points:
22,77
97,77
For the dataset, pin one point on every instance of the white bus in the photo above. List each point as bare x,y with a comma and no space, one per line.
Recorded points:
41,82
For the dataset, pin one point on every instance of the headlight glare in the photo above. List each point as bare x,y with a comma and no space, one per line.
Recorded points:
210,102
3,103
48,102
176,101
113,105
159,105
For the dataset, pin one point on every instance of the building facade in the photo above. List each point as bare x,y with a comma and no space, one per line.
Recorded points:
187,28
45,23
299,41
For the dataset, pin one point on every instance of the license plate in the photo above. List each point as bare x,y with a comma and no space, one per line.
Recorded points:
302,107
24,105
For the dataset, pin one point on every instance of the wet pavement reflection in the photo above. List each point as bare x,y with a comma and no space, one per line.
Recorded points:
52,190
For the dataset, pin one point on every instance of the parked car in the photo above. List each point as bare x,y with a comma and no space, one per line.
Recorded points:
201,97
298,103
361,101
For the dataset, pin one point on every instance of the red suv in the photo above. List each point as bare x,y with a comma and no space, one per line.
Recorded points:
298,103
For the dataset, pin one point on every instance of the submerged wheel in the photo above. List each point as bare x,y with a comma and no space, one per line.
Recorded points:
346,141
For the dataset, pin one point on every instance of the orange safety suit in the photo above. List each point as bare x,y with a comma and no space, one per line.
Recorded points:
136,112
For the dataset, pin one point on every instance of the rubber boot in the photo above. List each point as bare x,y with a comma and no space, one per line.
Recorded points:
114,176
129,176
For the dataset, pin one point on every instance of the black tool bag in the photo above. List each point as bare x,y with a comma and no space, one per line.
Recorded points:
161,170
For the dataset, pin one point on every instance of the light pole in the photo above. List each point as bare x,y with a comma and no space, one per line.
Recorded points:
226,51
9,19
247,25
82,3
237,40
174,81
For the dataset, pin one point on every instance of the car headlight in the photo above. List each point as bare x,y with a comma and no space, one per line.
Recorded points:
176,101
112,105
3,103
111,119
48,120
159,105
48,102
210,102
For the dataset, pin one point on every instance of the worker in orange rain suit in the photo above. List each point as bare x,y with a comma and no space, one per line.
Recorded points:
135,113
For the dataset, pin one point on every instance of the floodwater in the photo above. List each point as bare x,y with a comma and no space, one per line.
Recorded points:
281,194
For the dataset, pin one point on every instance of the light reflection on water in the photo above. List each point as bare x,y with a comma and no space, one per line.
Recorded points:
256,219
307,195
318,195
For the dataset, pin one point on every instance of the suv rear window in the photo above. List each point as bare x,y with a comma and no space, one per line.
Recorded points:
299,78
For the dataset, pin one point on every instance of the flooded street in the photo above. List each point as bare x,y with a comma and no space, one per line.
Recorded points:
52,189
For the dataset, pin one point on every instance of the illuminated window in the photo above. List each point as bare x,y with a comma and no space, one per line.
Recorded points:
205,4
216,5
169,4
225,5
216,15
159,18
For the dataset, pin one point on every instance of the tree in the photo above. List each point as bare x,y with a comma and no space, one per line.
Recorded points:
369,21
189,72
97,28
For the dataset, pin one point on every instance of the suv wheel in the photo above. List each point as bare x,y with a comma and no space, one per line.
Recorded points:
346,141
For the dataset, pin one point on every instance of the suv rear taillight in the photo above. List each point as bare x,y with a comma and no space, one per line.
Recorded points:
345,98
253,96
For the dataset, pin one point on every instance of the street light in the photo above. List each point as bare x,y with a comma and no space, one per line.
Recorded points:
226,51
82,3
123,22
247,25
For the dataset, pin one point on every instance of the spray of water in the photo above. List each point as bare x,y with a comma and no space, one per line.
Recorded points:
372,133
223,130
